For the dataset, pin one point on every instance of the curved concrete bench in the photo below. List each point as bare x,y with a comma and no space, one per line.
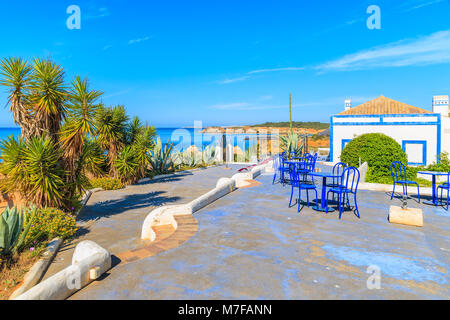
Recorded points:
89,262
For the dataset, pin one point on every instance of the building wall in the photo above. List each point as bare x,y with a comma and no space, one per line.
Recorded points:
445,125
420,135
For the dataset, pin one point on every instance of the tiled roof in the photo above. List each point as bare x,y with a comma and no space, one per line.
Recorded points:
383,105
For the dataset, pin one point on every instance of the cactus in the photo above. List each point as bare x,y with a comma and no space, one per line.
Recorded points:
14,227
161,160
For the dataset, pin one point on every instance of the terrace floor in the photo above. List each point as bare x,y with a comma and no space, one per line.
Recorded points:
113,219
250,245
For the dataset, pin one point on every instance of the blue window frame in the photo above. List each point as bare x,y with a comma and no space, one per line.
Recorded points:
424,151
344,143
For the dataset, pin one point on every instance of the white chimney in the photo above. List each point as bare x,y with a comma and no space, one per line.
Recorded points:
348,104
440,105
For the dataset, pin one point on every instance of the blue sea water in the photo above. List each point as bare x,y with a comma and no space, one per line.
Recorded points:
180,138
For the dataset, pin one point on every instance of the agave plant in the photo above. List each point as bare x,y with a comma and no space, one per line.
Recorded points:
14,227
161,160
290,144
209,155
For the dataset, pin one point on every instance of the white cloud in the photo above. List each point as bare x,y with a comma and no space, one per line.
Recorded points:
328,102
99,13
248,75
133,41
276,70
426,50
115,94
107,47
421,4
232,80
244,106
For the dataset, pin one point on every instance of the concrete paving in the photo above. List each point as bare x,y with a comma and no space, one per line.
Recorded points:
113,219
250,245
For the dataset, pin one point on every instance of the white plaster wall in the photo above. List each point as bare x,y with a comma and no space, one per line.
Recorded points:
445,126
397,132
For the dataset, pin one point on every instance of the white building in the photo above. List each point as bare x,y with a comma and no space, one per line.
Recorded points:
421,133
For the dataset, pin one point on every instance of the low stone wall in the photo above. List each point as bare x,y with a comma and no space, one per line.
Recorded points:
89,262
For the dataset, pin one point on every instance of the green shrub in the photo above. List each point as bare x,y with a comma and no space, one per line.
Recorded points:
379,151
49,223
442,164
107,183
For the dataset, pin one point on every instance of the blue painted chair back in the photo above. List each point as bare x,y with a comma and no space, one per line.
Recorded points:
398,171
350,179
294,176
338,169
315,160
307,163
277,161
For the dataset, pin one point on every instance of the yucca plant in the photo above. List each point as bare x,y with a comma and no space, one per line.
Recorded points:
161,159
14,227
48,96
111,124
142,146
15,74
90,161
127,165
34,169
80,122
94,160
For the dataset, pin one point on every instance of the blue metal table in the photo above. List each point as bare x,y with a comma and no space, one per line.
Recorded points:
324,175
435,200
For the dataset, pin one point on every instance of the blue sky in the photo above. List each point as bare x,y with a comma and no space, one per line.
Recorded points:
235,62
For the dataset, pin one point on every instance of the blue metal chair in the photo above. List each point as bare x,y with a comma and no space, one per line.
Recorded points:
298,181
338,169
398,171
277,162
284,169
348,185
445,186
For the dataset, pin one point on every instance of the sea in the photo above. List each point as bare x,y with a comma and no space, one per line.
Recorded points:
181,138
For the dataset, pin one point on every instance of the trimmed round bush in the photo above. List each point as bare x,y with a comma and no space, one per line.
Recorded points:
379,151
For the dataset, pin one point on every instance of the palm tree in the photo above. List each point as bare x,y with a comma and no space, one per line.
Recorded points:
111,124
48,96
16,74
